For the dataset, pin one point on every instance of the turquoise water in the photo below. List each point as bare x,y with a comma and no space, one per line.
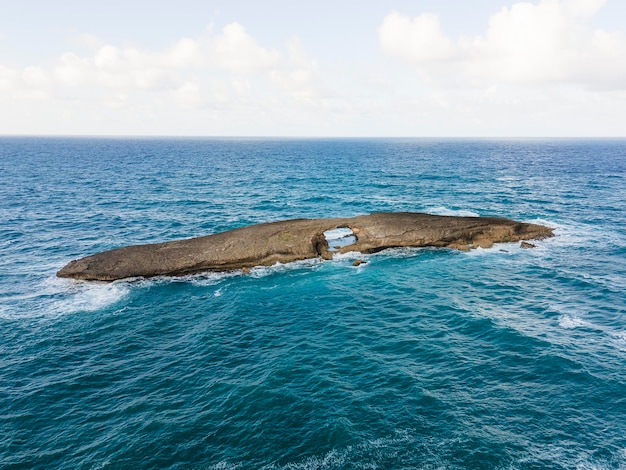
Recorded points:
421,358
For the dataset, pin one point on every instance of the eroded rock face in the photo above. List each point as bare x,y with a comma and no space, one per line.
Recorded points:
292,240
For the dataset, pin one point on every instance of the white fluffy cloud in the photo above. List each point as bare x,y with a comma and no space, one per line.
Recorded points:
237,51
187,69
540,67
418,40
529,43
210,84
233,51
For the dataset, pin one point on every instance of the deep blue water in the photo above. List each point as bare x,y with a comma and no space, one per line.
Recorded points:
421,358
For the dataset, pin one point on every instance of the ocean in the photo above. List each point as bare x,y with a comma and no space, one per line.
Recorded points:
501,358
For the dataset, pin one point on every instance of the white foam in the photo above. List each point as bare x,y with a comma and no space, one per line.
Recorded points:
88,297
572,321
5,313
442,210
204,279
363,455
350,256
497,249
605,334
223,465
619,340
262,271
56,297
574,234
332,459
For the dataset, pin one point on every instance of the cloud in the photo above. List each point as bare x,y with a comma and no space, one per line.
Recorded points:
420,40
297,78
235,50
537,68
8,79
210,84
87,41
126,68
192,72
527,44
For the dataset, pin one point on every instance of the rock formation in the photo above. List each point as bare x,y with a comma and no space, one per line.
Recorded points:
292,240
526,245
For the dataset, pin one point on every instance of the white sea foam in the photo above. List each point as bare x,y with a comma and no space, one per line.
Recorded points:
442,210
582,461
262,271
498,249
573,236
223,466
602,333
332,459
55,297
350,256
88,297
619,341
375,453
5,313
572,321
577,234
205,279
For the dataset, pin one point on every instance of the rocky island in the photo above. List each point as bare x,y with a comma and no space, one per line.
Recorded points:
292,240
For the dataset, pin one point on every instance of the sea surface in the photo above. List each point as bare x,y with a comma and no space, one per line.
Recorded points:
421,358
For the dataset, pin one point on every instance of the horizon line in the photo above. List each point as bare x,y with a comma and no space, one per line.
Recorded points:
305,137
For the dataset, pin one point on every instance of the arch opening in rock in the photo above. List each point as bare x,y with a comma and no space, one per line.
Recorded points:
339,237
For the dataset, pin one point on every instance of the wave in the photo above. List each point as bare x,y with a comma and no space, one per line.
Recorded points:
54,297
397,450
570,233
572,321
89,298
619,340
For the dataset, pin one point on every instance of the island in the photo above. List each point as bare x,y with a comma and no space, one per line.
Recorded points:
292,240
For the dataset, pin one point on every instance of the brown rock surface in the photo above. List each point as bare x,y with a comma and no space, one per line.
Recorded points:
459,246
482,243
526,245
292,240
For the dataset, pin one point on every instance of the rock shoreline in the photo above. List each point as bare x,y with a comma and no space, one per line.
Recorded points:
292,240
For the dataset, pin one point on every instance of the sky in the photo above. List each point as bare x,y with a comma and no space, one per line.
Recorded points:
398,68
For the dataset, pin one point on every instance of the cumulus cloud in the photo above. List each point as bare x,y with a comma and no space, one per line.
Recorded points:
536,69
237,51
418,40
8,79
551,41
232,52
225,76
297,78
227,72
126,68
